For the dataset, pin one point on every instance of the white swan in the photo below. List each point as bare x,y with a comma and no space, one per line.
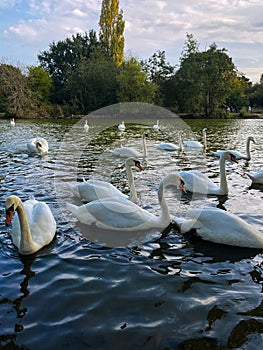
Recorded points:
197,144
121,126
38,145
86,126
96,189
257,177
33,226
197,182
219,226
12,122
238,155
124,215
156,126
168,146
126,152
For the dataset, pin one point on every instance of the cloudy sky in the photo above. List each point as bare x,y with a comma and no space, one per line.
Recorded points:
29,26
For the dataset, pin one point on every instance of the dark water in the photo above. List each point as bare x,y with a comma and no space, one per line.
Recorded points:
95,290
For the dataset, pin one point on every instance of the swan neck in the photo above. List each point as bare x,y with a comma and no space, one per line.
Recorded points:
181,144
26,242
144,146
165,212
223,182
133,193
248,149
205,143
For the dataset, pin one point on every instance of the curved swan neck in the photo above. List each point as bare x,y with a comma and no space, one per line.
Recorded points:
165,212
133,193
248,148
181,144
204,136
222,168
26,242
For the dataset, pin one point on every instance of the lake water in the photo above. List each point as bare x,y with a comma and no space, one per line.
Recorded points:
91,289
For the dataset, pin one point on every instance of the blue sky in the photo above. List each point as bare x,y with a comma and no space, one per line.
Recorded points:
28,27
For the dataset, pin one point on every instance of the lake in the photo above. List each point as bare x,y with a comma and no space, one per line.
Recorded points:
91,289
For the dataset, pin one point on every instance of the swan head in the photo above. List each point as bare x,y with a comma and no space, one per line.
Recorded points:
204,130
11,204
130,162
251,138
175,180
228,156
42,145
145,135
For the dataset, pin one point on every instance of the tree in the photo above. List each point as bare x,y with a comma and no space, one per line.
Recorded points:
133,84
112,29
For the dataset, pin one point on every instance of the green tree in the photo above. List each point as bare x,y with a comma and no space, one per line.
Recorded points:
133,83
112,29
255,94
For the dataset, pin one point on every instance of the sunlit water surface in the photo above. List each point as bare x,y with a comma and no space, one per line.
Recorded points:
99,290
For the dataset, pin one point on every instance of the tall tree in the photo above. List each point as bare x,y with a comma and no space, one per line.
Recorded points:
112,29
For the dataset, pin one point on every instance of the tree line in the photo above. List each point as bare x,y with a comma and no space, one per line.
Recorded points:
88,71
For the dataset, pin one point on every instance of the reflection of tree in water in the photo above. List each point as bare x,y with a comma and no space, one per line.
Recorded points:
7,341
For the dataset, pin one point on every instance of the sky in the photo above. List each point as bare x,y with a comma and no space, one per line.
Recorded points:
28,27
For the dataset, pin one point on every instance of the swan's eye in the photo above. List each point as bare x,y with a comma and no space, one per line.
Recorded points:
138,165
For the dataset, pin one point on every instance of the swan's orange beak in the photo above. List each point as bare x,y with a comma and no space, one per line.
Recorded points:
9,217
182,187
138,165
233,158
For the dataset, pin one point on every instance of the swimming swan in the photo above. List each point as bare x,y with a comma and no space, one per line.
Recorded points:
257,178
197,144
167,146
86,126
38,145
219,226
238,155
124,215
197,182
33,226
156,126
126,152
121,126
96,189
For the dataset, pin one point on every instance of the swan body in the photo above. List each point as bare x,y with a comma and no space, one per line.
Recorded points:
12,122
124,215
86,126
156,126
96,189
219,226
238,155
38,145
197,144
121,126
167,146
197,182
33,225
257,178
126,152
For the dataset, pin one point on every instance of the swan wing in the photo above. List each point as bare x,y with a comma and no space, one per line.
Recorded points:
257,177
197,182
238,155
95,189
167,146
126,152
192,144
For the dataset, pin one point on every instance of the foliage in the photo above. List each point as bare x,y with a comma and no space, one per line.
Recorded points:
133,84
112,29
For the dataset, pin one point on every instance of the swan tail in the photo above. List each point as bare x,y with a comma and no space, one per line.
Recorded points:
81,214
74,189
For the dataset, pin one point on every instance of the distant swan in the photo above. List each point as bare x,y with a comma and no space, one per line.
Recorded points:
38,145
96,189
167,146
219,226
121,126
12,122
156,126
33,226
197,144
86,126
238,155
124,215
197,182
257,178
126,152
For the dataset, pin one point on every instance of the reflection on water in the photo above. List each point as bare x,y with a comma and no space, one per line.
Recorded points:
92,289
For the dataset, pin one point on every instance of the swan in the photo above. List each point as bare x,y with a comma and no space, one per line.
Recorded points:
197,144
96,189
12,122
86,126
238,155
256,178
167,146
121,126
124,215
33,226
197,182
126,152
156,126
38,145
219,226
